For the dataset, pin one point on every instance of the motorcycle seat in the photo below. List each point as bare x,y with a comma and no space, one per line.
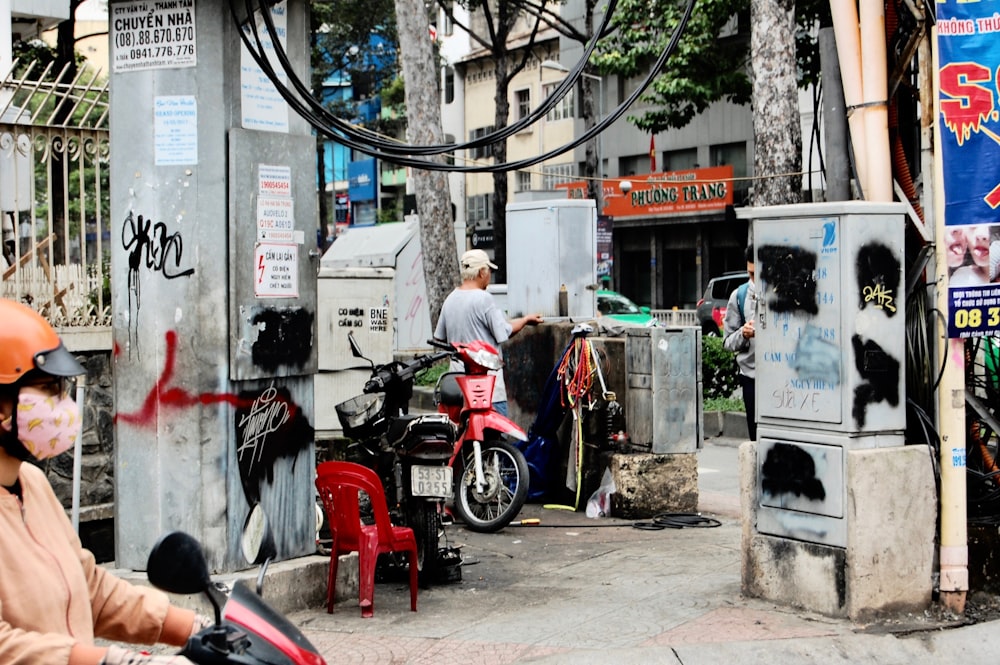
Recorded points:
428,425
450,393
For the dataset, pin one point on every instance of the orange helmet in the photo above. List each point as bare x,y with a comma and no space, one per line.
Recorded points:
28,342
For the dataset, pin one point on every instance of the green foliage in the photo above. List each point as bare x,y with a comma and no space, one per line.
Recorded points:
704,67
719,373
430,376
723,404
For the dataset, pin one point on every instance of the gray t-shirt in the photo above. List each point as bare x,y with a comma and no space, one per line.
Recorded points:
471,314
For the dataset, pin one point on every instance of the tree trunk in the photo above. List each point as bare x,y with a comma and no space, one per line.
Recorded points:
499,215
423,127
593,169
776,124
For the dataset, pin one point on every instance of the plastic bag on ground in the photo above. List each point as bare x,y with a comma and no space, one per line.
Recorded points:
599,504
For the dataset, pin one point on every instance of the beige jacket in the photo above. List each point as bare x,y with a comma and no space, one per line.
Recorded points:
52,593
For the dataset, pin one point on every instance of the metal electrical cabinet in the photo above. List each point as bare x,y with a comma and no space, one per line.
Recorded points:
830,366
663,407
830,317
551,244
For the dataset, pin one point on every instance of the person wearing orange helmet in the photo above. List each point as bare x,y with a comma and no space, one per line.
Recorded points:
54,598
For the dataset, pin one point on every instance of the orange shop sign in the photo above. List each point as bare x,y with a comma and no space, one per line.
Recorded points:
672,192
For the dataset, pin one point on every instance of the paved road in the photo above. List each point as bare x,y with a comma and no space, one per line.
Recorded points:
579,590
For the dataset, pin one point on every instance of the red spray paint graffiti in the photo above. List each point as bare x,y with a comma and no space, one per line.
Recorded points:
164,396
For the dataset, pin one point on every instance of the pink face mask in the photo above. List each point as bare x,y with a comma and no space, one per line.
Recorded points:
47,425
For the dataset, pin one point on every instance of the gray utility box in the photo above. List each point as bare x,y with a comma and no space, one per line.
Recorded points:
663,408
830,352
830,324
350,300
396,246
551,244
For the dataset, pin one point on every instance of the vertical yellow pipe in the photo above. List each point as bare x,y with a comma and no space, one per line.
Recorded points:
875,93
954,554
848,36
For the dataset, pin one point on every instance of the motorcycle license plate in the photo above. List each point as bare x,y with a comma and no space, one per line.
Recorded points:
431,481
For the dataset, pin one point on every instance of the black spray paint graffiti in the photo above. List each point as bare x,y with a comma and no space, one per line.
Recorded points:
880,371
878,278
151,246
284,337
790,276
789,469
269,426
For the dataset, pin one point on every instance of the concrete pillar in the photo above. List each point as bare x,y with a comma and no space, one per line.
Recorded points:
213,205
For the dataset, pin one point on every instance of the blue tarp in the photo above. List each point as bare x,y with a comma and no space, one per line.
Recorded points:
542,439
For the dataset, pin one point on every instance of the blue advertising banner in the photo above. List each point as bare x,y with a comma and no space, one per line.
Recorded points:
361,180
968,44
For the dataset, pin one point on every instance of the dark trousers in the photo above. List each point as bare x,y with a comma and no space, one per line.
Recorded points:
749,386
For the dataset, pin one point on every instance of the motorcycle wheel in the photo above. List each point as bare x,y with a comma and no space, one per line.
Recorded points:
504,492
426,524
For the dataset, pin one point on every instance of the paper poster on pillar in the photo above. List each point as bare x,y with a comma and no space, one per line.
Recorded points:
276,220
276,273
969,123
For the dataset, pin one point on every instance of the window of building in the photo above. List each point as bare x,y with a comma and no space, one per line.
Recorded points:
481,152
734,154
730,153
449,157
478,208
522,102
447,23
680,160
523,182
449,84
562,110
554,174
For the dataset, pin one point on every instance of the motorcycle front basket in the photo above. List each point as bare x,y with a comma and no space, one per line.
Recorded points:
360,415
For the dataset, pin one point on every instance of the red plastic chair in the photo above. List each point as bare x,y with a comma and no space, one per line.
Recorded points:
338,484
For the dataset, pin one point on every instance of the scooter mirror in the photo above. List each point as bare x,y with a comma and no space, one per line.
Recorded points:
258,539
355,349
177,564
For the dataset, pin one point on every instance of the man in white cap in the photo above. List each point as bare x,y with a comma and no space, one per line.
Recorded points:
470,313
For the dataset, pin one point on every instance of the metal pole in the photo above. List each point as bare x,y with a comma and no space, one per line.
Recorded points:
77,456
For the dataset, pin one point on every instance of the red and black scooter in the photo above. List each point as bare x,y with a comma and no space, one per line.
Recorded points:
247,630
491,474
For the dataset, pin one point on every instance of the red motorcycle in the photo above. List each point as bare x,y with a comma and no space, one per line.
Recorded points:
491,474
247,630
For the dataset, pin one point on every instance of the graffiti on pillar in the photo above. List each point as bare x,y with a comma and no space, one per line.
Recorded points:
269,426
790,273
788,469
880,373
878,278
284,337
150,247
164,396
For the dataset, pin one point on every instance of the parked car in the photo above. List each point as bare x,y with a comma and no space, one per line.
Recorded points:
616,306
712,307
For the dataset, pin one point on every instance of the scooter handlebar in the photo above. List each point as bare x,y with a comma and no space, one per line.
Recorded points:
385,374
441,345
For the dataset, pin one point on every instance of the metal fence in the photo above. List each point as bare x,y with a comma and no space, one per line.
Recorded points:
54,197
675,317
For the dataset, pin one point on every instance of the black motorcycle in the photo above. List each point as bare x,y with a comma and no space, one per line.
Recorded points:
409,452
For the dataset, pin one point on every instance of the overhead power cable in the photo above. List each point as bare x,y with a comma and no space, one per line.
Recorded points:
368,142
